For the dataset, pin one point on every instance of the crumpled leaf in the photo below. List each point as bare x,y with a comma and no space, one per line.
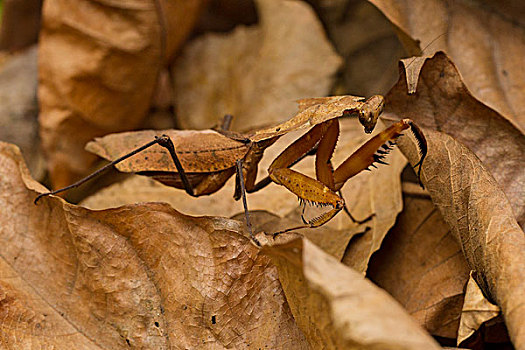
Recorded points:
97,79
255,73
378,191
19,108
476,310
337,308
443,103
482,221
422,266
482,40
139,276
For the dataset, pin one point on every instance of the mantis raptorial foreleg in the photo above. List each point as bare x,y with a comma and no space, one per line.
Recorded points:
373,151
323,190
301,146
294,153
324,170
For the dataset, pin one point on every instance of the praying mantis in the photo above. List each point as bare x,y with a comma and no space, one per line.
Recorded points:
200,162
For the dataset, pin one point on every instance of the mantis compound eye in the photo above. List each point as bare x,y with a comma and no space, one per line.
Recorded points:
372,109
368,120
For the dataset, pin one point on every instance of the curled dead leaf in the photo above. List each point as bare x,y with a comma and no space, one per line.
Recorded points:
476,310
443,103
486,45
336,307
481,219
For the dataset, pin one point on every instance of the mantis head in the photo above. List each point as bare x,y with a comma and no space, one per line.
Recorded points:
370,112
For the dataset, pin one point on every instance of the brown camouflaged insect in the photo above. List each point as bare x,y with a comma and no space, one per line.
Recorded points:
200,162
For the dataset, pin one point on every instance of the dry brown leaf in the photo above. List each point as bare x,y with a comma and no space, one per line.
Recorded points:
19,108
422,266
96,79
481,219
443,103
337,308
476,310
487,46
140,276
255,73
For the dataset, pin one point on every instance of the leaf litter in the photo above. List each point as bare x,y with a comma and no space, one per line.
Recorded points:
113,281
471,217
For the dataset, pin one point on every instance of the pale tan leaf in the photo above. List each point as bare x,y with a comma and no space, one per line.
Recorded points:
413,68
97,79
255,73
481,219
443,103
422,266
337,308
141,276
486,45
476,310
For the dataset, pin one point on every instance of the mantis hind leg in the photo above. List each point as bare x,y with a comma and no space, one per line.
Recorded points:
163,141
166,142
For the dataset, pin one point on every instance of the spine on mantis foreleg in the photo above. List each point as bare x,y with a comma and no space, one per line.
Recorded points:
375,149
